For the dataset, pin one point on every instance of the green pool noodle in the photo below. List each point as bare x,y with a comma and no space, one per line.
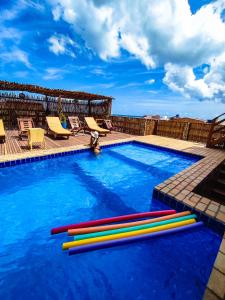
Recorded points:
133,228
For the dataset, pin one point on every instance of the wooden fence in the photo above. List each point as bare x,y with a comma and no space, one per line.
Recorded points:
11,110
37,107
135,126
191,131
171,129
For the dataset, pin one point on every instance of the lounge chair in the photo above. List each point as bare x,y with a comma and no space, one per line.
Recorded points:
75,124
2,131
93,126
55,127
24,124
108,125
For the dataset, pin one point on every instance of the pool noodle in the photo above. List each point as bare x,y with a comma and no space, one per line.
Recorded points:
113,219
119,242
132,228
68,245
123,225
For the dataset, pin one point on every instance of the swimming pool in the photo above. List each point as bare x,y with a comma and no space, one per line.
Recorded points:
38,196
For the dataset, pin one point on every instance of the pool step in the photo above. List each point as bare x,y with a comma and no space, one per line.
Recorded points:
213,187
222,174
219,193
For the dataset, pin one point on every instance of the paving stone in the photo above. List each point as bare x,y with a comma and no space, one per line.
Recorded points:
194,199
220,262
210,213
188,202
201,206
213,207
222,208
180,197
215,203
185,192
165,189
222,246
217,283
205,200
221,216
189,188
209,295
174,192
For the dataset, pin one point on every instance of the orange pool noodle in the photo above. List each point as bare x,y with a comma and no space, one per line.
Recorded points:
123,225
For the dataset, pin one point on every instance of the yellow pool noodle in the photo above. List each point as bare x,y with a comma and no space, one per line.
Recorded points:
68,245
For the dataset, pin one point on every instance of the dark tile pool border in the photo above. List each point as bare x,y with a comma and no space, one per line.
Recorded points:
180,206
32,159
27,160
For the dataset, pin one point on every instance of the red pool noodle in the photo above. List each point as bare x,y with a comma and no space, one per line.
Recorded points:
113,219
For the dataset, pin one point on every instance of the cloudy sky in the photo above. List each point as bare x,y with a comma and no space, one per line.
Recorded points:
164,56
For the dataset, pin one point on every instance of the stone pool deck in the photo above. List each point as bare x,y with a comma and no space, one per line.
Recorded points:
177,191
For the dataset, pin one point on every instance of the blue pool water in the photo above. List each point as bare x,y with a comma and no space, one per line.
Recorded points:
38,196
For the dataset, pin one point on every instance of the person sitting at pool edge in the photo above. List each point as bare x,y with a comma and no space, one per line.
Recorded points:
94,142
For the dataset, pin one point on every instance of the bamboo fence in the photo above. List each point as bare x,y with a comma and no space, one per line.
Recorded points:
196,131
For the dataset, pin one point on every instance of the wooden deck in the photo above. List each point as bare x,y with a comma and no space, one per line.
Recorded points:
15,146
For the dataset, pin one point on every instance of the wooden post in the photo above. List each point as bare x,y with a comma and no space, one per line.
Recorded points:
186,131
109,107
155,127
47,106
145,126
208,143
89,107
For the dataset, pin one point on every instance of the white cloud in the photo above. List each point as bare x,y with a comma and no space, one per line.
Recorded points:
16,55
98,71
54,73
57,11
10,38
211,86
130,84
158,33
18,7
61,44
150,81
8,33
94,23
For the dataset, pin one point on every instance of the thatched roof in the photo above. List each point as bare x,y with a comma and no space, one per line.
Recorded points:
13,86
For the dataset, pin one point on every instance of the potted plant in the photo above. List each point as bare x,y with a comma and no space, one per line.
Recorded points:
61,115
62,118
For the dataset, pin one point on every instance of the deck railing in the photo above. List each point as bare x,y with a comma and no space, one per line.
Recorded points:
216,135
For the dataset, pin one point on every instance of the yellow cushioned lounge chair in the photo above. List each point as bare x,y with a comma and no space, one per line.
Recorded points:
2,131
55,127
93,126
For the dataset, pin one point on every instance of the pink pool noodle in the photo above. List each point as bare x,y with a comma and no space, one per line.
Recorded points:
113,243
113,219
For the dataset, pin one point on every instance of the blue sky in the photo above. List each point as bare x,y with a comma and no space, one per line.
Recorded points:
163,58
